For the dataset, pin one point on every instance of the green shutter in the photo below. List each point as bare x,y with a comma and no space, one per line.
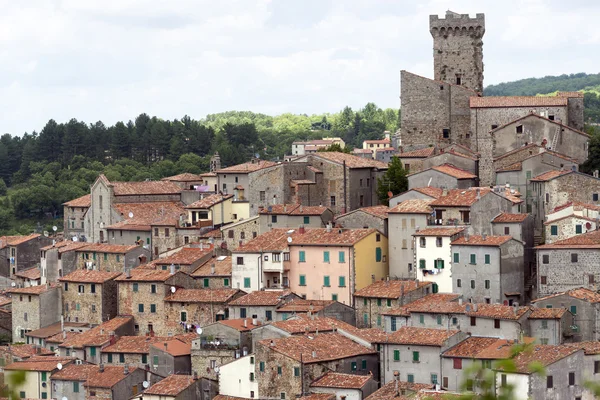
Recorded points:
261,366
144,358
297,369
105,256
121,357
247,283
94,256
421,319
152,308
364,301
135,287
183,316
415,356
439,319
118,258
44,376
226,282
554,230
206,282
456,257
378,320
278,370
342,281
334,297
353,365
155,360
342,256
326,281
378,254
92,351
302,280
302,256
110,358
389,302
364,364
378,302
422,264
473,259
578,229
574,310
435,288
326,256
366,319
306,220
396,355
140,308
487,259
75,387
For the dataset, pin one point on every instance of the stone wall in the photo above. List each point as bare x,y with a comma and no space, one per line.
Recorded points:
587,317
468,164
243,231
559,371
562,274
431,177
85,306
373,309
359,219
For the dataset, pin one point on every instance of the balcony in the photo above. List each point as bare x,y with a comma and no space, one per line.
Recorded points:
447,222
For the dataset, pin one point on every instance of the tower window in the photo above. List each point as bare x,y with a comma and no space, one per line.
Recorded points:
441,87
458,81
519,128
446,133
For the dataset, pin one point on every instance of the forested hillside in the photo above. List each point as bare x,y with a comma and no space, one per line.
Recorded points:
41,170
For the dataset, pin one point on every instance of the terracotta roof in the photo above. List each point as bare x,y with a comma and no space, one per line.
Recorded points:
430,191
547,313
377,211
251,166
574,216
512,167
530,115
59,338
202,295
304,306
389,391
341,381
412,206
362,151
575,205
461,197
454,153
317,348
16,240
222,265
133,344
476,240
174,347
445,304
541,354
304,324
98,335
31,273
55,328
293,209
410,335
172,385
208,174
185,256
38,289
453,171
42,363
517,101
310,396
261,298
351,160
209,201
91,375
506,218
472,346
107,248
589,348
145,275
241,324
547,176
320,237
438,231
590,240
185,177
392,289
421,153
5,300
580,293
147,188
147,214
273,240
65,246
89,276
296,182
24,351
224,397
378,141
83,202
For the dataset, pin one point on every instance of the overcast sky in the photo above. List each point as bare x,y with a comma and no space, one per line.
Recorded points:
111,60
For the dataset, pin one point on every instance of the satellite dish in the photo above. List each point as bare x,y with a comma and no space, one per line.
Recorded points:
54,228
173,289
468,308
289,239
145,384
75,239
588,226
64,398
59,366
130,214
13,284
199,331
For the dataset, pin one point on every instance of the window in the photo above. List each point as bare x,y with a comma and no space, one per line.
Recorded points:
546,259
573,257
378,254
110,358
554,230
261,366
487,283
573,310
342,257
544,324
466,216
286,256
416,357
422,242
472,284
578,228
473,259
388,302
242,313
251,376
438,242
439,319
422,319
353,366
597,367
247,283
140,308
206,282
366,319
296,371
396,355
166,232
332,200
519,128
378,320
240,260
269,315
135,287
549,382
326,256
543,280
262,195
506,230
591,279
487,259
473,321
152,308
44,374
342,282
226,282
282,396
326,281
410,378
155,360
302,280
435,288
274,219
75,387
571,378
334,297
393,324
278,370
378,302
595,197
81,288
22,394
230,234
153,288
422,264
459,283
439,264
183,316
454,321
457,363
446,133
44,395
66,286
93,288
496,324
301,256
456,258
434,379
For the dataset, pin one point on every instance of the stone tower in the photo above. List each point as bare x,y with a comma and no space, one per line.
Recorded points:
215,162
458,49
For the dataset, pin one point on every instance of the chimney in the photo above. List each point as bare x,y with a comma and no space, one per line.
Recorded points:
314,354
172,269
201,246
483,236
285,208
444,192
478,191
396,379
460,302
195,375
328,227
212,269
126,369
254,321
128,273
301,208
245,323
596,173
272,343
166,346
64,334
102,331
101,367
301,230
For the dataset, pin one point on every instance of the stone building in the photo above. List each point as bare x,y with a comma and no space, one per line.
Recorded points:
129,350
28,277
74,212
568,264
284,372
89,296
347,386
84,381
584,305
44,337
445,176
424,193
18,253
34,307
171,356
373,300
563,376
570,219
184,387
294,216
187,309
186,259
59,259
459,160
366,217
238,233
591,358
217,210
488,269
142,294
188,181
215,273
316,309
260,305
32,376
110,257
412,160
551,325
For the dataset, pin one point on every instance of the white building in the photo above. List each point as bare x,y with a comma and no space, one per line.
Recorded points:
238,378
433,256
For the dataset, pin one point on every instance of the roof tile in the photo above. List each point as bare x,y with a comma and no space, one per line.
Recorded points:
91,375
83,202
461,197
202,295
510,218
338,380
89,276
261,298
250,166
412,206
351,160
517,101
476,240
209,201
171,385
393,289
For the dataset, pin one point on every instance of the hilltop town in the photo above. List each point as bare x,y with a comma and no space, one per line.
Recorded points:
291,279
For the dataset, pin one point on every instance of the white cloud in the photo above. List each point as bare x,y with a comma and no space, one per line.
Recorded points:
111,60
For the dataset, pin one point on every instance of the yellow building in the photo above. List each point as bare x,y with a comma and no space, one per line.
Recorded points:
217,210
36,382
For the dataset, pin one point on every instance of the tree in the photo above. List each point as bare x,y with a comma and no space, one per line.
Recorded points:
335,148
2,187
394,180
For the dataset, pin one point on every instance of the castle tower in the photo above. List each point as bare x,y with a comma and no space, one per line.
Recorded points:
215,162
458,49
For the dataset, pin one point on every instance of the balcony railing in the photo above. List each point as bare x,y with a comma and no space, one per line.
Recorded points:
446,222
